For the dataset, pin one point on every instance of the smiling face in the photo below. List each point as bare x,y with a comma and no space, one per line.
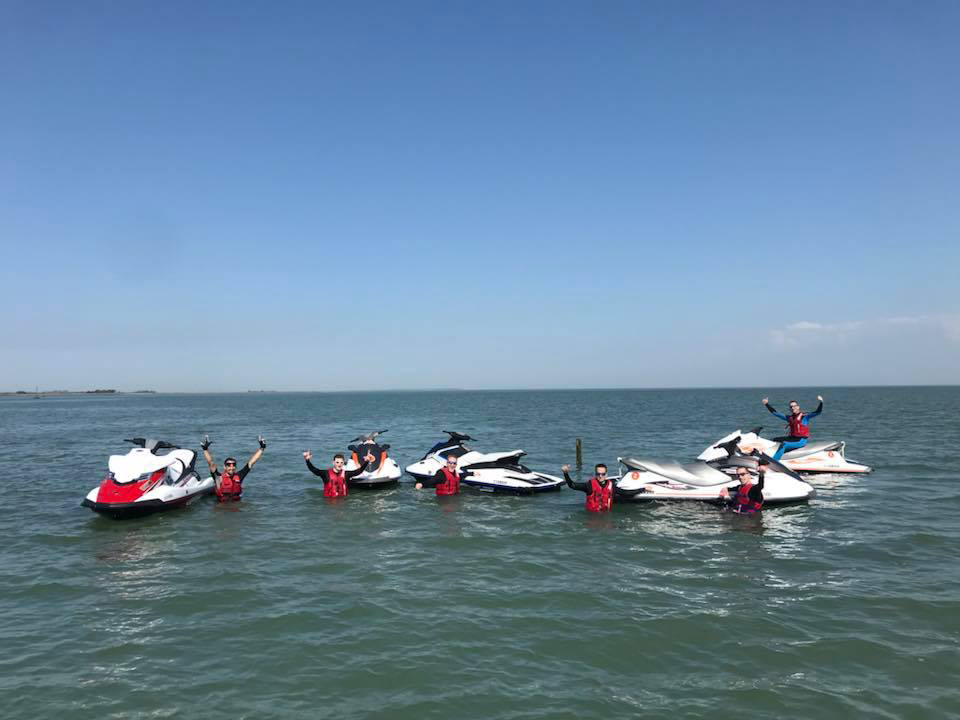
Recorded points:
794,407
451,463
338,464
743,475
230,467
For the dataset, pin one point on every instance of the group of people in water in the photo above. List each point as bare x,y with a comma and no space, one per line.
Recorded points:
599,489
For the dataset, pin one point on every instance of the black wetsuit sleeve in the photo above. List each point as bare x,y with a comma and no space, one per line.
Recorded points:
438,478
771,409
581,486
242,472
353,473
756,492
322,474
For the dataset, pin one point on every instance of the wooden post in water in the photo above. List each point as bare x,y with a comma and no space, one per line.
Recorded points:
579,454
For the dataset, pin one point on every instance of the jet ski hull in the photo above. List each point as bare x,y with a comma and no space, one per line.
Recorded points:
513,485
125,511
387,474
145,506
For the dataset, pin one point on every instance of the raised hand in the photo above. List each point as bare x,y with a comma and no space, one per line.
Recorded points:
263,443
819,398
205,443
565,468
307,455
766,401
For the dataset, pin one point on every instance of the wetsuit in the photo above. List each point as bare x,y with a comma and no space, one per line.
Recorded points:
347,474
587,486
792,442
238,477
438,479
755,495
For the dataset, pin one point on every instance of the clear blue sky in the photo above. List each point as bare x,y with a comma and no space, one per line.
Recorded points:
223,196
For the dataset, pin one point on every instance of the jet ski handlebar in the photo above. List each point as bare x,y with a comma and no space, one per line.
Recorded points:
151,445
372,437
460,437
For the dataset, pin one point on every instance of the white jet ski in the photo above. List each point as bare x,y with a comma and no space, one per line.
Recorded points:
488,472
381,472
827,456
644,480
143,482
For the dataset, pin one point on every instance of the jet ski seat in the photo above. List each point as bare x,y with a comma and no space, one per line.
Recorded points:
698,474
811,448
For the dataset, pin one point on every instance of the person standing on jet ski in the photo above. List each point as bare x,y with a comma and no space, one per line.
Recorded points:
748,498
599,489
335,478
445,480
799,424
230,482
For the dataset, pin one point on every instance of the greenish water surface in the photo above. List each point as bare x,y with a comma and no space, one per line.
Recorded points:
392,605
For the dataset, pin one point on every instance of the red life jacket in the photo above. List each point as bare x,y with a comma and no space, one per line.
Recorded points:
450,485
600,497
336,485
797,428
742,502
230,487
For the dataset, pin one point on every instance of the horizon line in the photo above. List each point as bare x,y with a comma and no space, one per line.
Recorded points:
111,391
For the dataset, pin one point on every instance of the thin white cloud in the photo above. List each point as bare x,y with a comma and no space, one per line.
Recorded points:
805,332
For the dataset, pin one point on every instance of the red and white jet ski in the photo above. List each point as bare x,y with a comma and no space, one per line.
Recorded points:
143,482
815,457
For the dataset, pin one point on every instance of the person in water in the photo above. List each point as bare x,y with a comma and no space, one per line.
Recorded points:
599,489
798,423
445,480
335,478
748,497
229,483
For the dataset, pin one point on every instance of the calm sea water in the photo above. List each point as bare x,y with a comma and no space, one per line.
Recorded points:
390,605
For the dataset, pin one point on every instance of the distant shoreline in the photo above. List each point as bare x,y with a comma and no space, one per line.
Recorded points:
63,393
760,388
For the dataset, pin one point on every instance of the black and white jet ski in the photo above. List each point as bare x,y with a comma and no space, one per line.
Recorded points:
489,472
143,481
645,480
381,472
815,457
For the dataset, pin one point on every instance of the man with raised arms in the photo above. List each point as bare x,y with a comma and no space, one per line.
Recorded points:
230,483
798,424
335,478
